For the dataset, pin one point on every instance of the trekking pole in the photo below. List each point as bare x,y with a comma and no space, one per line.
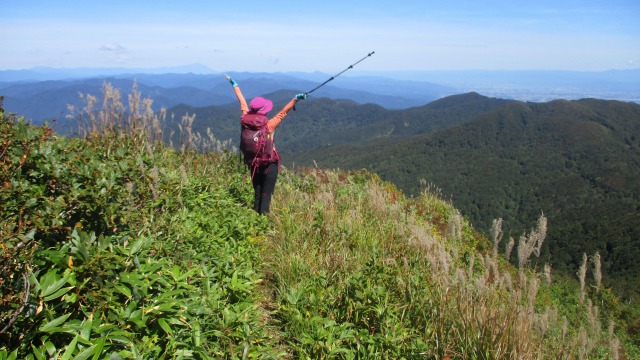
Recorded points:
335,76
340,73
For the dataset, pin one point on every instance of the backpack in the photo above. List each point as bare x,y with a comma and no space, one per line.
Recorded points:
256,143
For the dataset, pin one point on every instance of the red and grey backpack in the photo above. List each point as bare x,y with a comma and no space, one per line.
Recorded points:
256,143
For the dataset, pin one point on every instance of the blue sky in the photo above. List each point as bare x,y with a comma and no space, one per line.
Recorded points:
327,35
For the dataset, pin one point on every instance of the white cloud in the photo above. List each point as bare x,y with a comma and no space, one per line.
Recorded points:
113,47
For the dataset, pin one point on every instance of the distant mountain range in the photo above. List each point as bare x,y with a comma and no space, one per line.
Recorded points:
43,73
41,100
43,93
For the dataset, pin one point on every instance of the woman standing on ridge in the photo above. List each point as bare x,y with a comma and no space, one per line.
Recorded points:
257,144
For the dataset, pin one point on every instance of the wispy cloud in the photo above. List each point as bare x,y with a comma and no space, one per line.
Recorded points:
113,47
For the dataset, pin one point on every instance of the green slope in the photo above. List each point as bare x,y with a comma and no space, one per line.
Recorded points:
576,161
132,250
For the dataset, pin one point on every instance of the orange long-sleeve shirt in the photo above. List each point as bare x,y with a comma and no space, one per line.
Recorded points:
273,123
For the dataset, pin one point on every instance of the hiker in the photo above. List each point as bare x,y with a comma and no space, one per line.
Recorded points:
263,163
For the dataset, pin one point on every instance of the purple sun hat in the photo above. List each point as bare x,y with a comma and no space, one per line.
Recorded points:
260,105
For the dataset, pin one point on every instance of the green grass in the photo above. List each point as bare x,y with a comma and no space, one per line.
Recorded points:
129,248
117,246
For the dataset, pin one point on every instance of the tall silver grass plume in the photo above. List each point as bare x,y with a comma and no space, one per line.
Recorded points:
429,188
597,270
186,132
553,316
540,234
496,235
164,173
76,115
524,251
614,346
593,313
509,248
112,108
565,327
153,174
132,193
611,329
147,115
134,105
455,226
547,273
183,175
110,96
159,124
491,266
532,244
541,322
532,292
582,274
460,277
149,149
583,341
437,256
90,102
506,281
471,264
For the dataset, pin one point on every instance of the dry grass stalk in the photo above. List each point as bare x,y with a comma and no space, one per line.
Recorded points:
496,235
455,226
593,314
509,248
614,345
597,270
532,292
547,273
532,244
582,275
140,124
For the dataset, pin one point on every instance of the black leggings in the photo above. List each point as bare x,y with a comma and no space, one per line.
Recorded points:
264,183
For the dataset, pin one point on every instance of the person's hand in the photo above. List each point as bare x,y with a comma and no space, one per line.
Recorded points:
233,83
301,96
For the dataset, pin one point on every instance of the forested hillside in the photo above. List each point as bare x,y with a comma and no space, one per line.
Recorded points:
578,162
322,122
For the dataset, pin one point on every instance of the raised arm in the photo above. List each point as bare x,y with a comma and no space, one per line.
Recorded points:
243,103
